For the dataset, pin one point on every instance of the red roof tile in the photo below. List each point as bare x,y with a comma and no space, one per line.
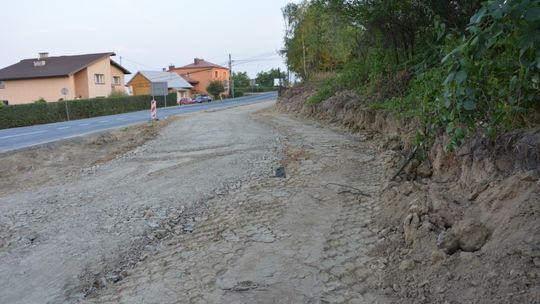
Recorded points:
201,63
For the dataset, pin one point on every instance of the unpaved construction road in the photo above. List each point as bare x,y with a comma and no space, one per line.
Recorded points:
196,215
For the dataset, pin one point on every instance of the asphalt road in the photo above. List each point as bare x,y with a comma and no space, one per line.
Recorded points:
18,138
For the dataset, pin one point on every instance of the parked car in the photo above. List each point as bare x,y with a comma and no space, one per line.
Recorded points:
185,101
202,98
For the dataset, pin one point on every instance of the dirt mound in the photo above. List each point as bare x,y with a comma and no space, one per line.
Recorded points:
469,232
459,227
293,99
347,109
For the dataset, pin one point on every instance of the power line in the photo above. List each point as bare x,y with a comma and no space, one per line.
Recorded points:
269,56
245,62
264,55
141,64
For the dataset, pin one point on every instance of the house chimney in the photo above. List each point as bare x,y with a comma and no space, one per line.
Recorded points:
197,60
42,60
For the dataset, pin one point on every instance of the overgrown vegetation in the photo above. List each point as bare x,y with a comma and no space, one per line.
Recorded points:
47,112
264,82
454,66
266,79
241,80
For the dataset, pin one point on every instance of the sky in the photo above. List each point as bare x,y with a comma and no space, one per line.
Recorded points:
147,35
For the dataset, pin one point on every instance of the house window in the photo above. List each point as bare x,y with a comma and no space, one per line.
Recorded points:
116,80
99,78
216,74
2,85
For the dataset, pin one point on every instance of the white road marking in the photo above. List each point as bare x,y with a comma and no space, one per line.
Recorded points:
84,124
62,128
103,121
122,118
23,134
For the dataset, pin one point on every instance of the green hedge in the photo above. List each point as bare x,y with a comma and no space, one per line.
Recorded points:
41,113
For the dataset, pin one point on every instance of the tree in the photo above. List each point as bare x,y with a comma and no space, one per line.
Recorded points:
215,88
241,79
319,36
266,79
323,35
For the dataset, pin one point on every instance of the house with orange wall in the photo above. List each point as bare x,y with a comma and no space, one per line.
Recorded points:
84,76
200,73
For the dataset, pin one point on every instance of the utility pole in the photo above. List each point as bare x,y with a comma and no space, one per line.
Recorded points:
279,82
304,55
231,80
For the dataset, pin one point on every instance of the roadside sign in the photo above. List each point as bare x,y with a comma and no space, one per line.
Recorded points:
153,109
159,88
64,91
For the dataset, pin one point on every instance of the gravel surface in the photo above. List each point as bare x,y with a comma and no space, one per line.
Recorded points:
58,240
237,206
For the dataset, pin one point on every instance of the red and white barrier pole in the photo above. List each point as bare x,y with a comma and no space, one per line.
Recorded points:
153,108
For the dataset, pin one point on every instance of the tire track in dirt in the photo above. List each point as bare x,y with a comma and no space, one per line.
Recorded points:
82,231
301,239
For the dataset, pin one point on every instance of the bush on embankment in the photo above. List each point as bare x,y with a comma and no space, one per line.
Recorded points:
455,67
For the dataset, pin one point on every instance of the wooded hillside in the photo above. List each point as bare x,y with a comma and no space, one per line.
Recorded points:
454,66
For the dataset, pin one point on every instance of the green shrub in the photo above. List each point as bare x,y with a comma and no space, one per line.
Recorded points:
115,94
40,100
239,92
327,88
493,76
215,88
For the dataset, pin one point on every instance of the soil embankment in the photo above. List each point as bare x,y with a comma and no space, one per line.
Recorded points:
459,227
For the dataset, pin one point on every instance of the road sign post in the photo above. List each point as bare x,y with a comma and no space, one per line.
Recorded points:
65,92
153,109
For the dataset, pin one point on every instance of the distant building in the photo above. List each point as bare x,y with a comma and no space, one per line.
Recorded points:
141,83
84,76
200,73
